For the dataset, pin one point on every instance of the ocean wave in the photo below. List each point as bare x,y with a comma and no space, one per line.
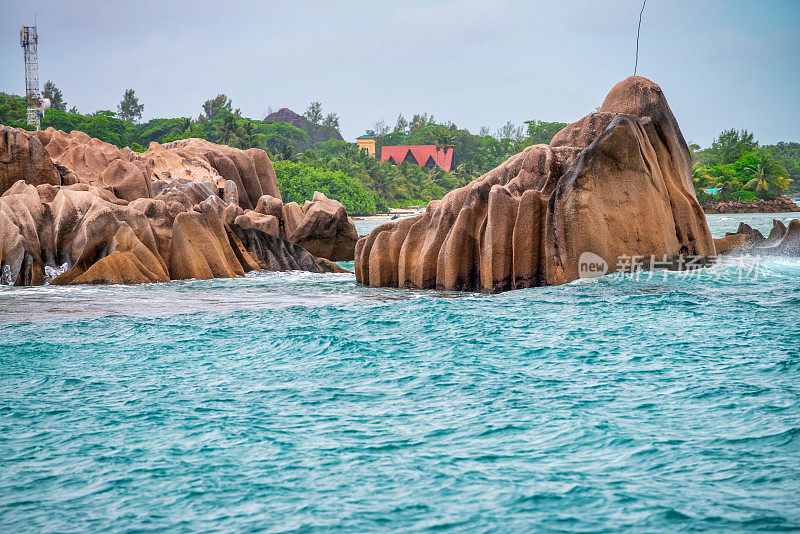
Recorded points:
620,403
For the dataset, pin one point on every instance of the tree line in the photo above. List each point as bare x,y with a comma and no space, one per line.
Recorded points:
733,167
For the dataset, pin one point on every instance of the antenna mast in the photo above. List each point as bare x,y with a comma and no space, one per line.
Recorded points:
29,38
638,29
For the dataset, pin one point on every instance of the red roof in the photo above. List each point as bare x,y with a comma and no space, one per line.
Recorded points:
420,154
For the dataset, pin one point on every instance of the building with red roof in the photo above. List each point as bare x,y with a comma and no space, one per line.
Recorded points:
426,156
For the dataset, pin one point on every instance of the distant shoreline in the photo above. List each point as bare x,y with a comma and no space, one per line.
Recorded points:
400,213
778,205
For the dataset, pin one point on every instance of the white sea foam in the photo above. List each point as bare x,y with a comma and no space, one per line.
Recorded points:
52,272
5,275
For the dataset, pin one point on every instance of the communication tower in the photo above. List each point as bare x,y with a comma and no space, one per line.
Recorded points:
28,38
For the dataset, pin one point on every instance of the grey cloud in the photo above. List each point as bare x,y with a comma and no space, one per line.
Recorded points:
472,62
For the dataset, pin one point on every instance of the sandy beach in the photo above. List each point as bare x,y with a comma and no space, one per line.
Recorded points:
399,212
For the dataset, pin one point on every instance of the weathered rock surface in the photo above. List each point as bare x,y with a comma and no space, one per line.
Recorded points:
323,228
94,162
783,240
77,206
23,157
185,172
274,254
200,246
251,170
615,183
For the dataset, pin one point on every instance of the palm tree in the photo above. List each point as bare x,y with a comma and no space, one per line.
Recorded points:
443,139
700,177
462,175
228,129
768,176
384,183
723,177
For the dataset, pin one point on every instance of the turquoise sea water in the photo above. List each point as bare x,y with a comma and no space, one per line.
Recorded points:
306,403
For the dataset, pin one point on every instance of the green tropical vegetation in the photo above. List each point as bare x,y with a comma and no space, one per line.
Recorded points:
734,167
298,180
337,168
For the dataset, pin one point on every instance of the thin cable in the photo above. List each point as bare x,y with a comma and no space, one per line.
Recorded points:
635,65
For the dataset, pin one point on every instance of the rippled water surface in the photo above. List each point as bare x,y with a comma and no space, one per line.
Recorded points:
306,403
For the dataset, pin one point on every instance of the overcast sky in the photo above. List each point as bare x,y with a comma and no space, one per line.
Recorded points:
722,64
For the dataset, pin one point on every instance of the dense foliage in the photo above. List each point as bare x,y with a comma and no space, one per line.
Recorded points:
473,155
221,125
733,167
298,181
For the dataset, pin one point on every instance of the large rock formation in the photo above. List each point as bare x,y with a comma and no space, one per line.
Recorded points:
322,227
616,183
92,161
76,210
184,171
250,170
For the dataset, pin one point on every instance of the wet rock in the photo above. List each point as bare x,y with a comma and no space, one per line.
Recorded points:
783,240
789,243
732,243
128,261
275,254
777,232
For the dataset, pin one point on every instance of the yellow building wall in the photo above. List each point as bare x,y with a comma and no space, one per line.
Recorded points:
368,144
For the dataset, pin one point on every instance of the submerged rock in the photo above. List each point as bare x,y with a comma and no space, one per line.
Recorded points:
783,240
616,183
